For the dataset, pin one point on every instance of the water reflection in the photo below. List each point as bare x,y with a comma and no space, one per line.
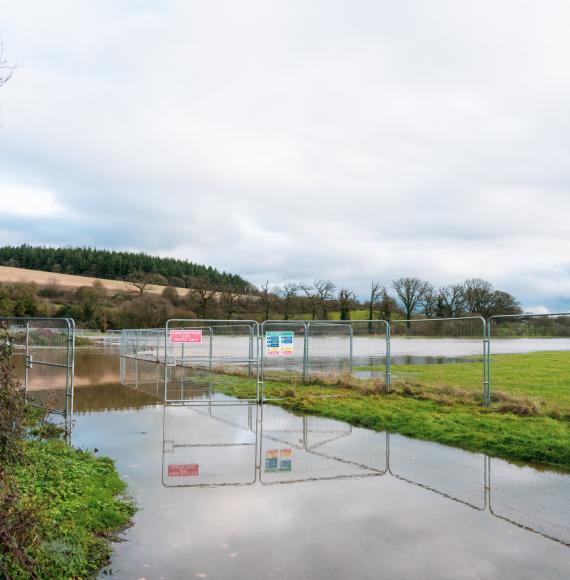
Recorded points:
235,443
217,444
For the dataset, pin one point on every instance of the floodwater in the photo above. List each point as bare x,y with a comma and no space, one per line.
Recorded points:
227,490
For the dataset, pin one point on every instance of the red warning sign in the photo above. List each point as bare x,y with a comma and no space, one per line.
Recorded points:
183,470
185,336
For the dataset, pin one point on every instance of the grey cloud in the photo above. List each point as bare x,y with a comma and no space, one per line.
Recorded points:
306,140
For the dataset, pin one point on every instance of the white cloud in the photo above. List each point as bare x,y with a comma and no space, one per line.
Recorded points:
18,200
300,140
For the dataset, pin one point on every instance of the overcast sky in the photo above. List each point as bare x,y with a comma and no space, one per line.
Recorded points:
297,140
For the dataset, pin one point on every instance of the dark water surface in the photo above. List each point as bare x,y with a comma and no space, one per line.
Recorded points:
225,492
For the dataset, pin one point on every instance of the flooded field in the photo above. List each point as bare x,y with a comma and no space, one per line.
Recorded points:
230,490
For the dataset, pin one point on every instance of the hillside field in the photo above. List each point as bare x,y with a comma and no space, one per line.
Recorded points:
70,282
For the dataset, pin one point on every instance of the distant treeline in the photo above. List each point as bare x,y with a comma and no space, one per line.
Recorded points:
118,266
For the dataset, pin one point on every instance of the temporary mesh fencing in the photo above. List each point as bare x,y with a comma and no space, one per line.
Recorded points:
539,345
43,353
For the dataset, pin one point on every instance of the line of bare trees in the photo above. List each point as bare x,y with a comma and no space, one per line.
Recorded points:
405,298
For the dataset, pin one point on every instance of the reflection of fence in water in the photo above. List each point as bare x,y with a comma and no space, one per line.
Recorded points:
221,441
454,473
209,446
300,448
535,500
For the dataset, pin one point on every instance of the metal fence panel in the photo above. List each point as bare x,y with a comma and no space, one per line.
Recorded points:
530,357
443,356
370,349
210,360
284,350
330,350
43,350
142,375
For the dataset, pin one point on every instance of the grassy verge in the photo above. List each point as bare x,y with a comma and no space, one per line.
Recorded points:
59,506
436,407
541,377
71,503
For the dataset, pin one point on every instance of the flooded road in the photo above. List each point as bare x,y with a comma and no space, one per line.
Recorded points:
230,491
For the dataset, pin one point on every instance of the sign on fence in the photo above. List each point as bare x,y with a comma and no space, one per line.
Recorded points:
186,336
279,343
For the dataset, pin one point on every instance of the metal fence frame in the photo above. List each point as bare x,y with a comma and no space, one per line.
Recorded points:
484,344
253,359
386,332
306,325
69,326
507,317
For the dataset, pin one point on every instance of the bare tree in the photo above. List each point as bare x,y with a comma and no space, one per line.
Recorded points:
410,292
202,296
321,292
287,293
479,296
229,302
451,301
139,281
428,301
375,292
266,299
505,303
387,306
6,70
346,300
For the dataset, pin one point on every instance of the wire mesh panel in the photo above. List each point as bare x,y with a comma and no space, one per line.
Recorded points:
143,375
294,448
454,473
298,351
284,350
43,350
369,349
535,500
112,338
210,359
530,357
440,355
330,349
143,343
209,445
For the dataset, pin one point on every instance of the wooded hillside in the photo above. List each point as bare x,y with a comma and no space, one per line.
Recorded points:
114,265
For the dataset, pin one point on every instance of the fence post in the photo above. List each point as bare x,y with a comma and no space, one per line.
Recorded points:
306,351
350,356
388,356
28,362
250,350
260,380
487,362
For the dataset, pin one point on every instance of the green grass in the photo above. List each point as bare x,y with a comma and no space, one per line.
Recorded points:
528,420
76,498
544,377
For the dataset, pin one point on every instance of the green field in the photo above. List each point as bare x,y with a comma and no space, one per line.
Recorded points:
528,419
